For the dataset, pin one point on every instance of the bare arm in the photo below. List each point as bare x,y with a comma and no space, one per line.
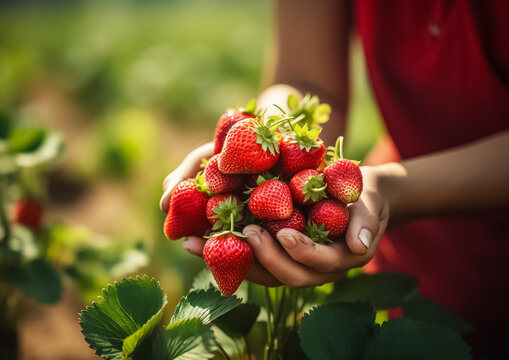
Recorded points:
466,179
311,41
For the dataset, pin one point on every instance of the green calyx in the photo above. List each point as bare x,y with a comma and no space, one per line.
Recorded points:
200,183
224,212
314,188
250,108
306,138
314,113
267,136
227,231
317,233
336,152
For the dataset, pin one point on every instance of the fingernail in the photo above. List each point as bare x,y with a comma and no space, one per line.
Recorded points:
287,240
365,237
254,237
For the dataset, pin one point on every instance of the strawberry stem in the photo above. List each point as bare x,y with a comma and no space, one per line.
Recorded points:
338,148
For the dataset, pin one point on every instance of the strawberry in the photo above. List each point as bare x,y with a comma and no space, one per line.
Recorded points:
220,209
296,221
29,212
308,187
299,150
227,120
228,257
250,147
272,200
219,183
327,220
343,177
187,211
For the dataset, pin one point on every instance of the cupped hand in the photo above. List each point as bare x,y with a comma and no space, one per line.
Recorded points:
294,260
187,169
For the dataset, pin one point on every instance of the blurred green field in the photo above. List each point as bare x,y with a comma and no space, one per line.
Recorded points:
134,86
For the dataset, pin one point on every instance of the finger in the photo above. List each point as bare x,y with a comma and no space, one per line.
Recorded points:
169,184
273,258
256,273
362,228
187,169
322,258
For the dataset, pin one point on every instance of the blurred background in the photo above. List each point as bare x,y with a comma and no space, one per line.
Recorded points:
133,86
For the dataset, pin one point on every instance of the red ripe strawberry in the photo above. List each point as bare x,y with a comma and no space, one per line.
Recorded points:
296,221
327,220
220,209
186,214
228,258
219,183
227,120
29,212
308,187
299,150
250,147
272,200
343,177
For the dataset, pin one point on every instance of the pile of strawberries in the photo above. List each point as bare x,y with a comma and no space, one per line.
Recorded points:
269,171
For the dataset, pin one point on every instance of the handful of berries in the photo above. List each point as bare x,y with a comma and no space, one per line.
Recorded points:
269,171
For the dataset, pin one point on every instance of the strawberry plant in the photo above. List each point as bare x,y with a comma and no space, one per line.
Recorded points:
36,255
342,321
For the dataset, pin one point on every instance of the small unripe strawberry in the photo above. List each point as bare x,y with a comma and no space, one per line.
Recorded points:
187,211
228,258
308,187
219,183
331,217
272,200
343,177
296,221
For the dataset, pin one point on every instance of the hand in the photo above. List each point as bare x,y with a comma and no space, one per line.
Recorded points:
296,261
187,169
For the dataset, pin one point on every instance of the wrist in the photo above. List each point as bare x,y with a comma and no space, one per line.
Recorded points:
389,183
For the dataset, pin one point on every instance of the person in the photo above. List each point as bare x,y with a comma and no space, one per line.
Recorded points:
439,70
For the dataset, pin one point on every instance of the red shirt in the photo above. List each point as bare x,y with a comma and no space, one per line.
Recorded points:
440,73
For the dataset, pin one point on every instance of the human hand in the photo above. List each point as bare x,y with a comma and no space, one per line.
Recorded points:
295,260
187,169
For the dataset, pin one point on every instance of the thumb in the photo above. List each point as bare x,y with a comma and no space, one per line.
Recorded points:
362,228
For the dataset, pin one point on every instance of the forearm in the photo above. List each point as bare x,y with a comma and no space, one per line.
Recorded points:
466,179
310,55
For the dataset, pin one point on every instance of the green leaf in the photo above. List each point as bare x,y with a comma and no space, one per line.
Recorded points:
47,151
5,125
122,317
36,279
383,290
426,310
251,107
204,281
364,311
330,332
26,139
293,103
206,305
404,339
238,321
187,339
321,114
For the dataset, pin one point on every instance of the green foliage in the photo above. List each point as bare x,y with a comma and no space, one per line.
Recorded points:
206,305
26,139
238,321
187,339
403,339
332,332
383,290
36,279
123,316
425,310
